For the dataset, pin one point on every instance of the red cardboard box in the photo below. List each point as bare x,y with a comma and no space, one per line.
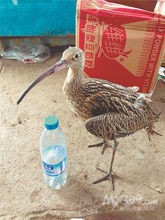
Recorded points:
122,44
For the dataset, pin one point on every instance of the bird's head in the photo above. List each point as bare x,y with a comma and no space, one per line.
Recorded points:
72,57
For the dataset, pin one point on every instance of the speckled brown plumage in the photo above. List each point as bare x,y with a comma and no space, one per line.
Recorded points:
109,111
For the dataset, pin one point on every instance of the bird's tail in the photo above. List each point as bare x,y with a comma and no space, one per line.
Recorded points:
153,115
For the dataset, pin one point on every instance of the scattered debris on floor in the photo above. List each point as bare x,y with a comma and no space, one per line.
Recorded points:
27,52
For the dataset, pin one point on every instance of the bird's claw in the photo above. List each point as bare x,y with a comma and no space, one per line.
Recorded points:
105,145
109,176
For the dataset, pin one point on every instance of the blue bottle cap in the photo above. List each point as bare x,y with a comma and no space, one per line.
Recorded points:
51,122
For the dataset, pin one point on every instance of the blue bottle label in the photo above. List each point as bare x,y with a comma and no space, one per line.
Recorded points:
54,170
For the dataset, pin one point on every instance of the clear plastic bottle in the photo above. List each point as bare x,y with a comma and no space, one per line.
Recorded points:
53,153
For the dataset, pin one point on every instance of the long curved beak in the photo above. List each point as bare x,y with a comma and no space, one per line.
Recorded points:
58,66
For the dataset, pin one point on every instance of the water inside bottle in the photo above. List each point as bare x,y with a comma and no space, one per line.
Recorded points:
54,166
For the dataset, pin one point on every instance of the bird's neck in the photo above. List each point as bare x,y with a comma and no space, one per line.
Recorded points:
73,82
74,76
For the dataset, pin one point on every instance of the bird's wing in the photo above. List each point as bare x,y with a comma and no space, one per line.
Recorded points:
103,96
114,125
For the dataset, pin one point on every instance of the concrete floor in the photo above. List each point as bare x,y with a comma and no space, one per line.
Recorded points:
139,163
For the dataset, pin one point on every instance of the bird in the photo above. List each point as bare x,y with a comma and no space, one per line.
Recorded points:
109,111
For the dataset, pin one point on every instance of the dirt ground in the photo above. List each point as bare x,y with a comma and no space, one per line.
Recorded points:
139,163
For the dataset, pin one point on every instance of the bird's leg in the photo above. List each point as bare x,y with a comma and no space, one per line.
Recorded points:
110,175
105,145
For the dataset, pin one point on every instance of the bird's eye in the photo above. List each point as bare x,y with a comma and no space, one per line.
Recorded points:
76,56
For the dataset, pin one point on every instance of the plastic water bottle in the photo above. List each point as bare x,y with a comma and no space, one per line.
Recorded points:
53,153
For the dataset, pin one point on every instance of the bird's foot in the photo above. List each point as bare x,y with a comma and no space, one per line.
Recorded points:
105,145
109,176
150,132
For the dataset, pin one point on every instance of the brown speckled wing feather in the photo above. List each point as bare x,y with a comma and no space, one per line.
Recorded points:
110,125
103,97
